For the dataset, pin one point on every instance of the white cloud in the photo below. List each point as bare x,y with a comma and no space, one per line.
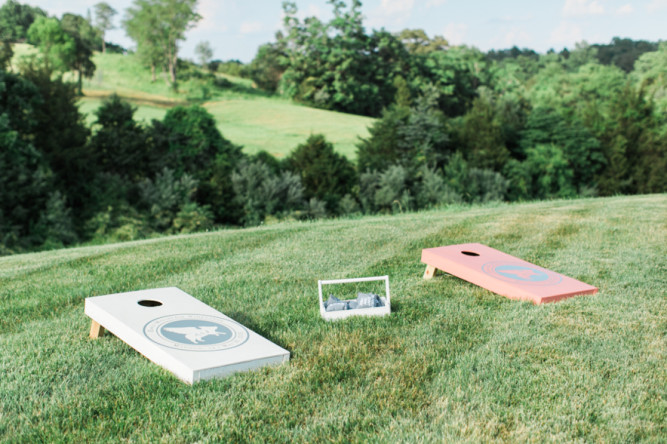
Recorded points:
576,8
455,33
313,11
390,13
657,5
625,9
392,7
515,37
566,34
435,3
250,27
209,10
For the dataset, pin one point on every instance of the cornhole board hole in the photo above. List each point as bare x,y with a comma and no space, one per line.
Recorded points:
181,334
502,273
384,310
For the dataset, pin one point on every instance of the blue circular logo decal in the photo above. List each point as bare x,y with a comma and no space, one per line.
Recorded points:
196,332
521,274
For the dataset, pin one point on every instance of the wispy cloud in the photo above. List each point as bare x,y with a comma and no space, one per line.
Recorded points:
390,13
625,10
566,34
455,33
515,18
516,37
435,3
578,8
392,7
250,27
210,11
657,5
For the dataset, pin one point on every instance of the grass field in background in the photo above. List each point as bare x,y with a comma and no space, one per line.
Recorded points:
453,362
278,126
245,115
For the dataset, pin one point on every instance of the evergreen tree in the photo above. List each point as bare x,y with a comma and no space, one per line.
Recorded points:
189,141
119,145
325,174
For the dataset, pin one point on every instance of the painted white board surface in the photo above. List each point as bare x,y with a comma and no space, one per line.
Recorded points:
182,334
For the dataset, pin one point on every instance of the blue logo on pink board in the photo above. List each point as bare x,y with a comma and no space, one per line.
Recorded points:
521,274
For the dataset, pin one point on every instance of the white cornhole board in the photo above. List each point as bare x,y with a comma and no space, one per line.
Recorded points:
182,334
372,311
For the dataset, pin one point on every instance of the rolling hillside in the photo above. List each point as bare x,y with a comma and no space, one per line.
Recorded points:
245,115
453,362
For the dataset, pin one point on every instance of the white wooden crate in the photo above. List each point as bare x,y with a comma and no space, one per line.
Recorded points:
341,314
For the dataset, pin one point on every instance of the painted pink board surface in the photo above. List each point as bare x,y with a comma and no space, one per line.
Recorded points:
504,274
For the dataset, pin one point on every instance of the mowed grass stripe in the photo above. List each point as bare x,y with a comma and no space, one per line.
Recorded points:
279,126
452,362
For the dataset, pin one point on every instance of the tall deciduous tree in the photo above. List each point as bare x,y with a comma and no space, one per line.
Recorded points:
141,25
204,52
16,19
84,37
416,41
336,65
104,20
160,25
56,47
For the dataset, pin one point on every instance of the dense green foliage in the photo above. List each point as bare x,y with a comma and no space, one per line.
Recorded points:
451,363
455,125
16,19
157,27
584,121
325,174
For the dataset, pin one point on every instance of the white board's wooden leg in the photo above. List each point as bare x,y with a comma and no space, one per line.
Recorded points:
429,272
96,330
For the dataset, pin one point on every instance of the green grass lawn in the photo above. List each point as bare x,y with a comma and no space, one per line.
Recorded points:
245,115
278,126
453,362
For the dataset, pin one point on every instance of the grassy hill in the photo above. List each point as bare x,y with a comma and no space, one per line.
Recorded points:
245,115
452,362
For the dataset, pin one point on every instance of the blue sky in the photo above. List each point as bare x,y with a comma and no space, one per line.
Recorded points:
235,28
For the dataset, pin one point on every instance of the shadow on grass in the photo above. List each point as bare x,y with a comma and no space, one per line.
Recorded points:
204,95
193,96
156,101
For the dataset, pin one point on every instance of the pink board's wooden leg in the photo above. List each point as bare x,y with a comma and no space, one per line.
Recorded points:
96,330
429,272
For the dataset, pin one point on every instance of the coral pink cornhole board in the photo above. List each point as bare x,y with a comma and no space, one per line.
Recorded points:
502,273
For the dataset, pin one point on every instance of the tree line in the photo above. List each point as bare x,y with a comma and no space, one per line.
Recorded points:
454,125
586,121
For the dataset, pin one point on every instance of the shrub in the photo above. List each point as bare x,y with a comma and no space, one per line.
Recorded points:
550,172
260,192
392,192
431,189
119,144
166,197
55,223
348,205
469,184
192,218
188,141
325,174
